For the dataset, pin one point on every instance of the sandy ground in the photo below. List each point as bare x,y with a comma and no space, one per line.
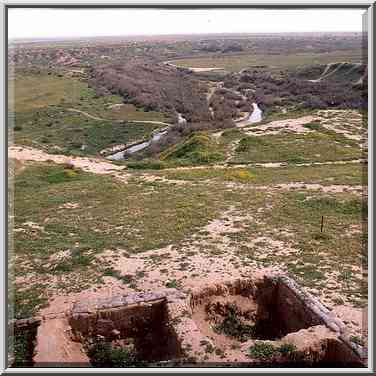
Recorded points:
279,126
93,165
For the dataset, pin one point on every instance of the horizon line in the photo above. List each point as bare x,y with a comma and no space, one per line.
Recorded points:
187,34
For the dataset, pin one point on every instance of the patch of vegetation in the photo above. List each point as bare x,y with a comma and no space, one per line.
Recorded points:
34,91
147,164
111,215
79,258
58,175
153,87
234,63
27,301
356,339
332,205
199,148
287,349
351,174
110,272
296,148
104,354
73,133
262,350
239,175
233,326
173,284
313,126
23,356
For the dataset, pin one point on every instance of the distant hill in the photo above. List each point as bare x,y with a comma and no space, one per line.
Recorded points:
354,73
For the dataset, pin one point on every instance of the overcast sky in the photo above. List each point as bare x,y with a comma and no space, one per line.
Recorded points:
52,23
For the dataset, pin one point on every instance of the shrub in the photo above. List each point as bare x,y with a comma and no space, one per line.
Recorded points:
59,175
232,326
313,126
172,284
246,144
262,350
70,173
199,148
243,176
287,349
103,354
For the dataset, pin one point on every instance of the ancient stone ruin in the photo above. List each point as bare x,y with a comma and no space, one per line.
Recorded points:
263,321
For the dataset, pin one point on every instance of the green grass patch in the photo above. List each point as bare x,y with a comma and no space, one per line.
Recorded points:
111,215
348,174
296,148
239,175
199,148
34,91
235,63
148,164
58,131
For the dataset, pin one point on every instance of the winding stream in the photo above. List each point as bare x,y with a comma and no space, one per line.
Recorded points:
118,156
254,117
140,146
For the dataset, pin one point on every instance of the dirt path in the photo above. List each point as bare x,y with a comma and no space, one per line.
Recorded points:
193,69
266,165
93,165
101,166
326,72
117,121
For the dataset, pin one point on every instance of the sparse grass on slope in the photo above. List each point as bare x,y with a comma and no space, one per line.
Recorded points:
351,174
62,132
235,63
64,217
296,148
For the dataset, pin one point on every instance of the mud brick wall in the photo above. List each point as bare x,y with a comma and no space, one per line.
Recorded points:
129,316
293,310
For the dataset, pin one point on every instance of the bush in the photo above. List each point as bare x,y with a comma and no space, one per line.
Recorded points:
103,354
243,176
232,326
59,175
172,284
197,149
262,350
287,349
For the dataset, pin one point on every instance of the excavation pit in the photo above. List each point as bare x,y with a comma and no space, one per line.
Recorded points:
24,340
132,330
244,318
244,310
266,320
